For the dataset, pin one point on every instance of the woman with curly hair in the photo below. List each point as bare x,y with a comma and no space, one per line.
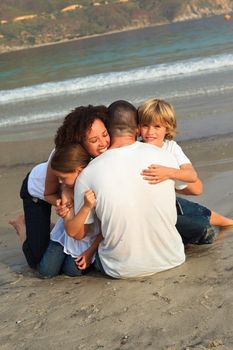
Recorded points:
84,125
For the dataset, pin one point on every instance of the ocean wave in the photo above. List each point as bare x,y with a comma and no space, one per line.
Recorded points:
111,79
203,91
32,118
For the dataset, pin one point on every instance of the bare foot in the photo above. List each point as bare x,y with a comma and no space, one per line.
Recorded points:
217,219
19,225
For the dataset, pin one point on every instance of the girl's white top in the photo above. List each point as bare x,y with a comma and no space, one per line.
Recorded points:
72,246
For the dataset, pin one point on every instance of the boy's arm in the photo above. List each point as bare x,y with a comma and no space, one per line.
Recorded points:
75,224
155,173
192,189
84,259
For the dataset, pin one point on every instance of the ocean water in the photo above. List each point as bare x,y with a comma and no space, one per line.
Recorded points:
190,64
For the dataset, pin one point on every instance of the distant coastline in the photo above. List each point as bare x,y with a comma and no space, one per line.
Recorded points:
7,49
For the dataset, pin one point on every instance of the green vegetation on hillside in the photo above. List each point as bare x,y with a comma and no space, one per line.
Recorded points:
28,22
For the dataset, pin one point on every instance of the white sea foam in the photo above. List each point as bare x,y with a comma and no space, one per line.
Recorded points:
188,93
32,118
111,79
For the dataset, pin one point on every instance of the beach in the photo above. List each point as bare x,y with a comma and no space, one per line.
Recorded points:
189,307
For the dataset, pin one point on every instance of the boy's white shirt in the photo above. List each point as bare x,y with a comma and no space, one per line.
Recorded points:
172,147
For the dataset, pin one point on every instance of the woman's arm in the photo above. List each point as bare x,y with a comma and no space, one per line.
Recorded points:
52,187
52,193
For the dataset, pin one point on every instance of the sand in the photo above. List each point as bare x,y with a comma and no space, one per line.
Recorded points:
189,307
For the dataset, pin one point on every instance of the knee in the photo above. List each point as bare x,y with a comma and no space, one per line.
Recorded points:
52,261
47,271
70,269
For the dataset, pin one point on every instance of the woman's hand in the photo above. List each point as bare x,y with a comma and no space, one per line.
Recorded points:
62,209
67,196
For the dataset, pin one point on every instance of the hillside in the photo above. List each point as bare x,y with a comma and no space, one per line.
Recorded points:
25,23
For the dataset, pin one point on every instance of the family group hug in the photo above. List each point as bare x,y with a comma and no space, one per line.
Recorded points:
115,177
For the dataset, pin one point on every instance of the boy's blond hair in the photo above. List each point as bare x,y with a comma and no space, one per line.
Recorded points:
154,111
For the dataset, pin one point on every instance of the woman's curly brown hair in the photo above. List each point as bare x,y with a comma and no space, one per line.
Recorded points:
77,123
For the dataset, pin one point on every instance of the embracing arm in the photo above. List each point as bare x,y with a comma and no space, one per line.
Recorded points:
192,189
75,224
155,173
53,195
52,187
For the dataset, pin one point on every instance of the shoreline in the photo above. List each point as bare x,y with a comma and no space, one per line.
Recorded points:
7,49
85,37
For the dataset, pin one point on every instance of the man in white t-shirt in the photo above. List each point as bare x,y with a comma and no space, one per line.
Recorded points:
137,219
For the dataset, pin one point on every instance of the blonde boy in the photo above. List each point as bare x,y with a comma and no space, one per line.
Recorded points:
157,126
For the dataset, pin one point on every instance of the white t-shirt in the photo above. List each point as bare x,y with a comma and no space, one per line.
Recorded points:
173,148
72,246
137,219
36,179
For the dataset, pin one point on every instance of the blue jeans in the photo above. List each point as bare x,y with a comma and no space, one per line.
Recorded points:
55,261
193,222
37,220
98,265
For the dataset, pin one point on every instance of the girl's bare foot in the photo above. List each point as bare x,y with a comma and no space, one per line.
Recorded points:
19,225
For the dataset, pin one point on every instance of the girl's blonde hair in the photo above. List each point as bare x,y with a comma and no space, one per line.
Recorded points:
154,111
68,158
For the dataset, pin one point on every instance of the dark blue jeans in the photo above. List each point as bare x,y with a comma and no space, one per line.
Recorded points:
37,220
55,262
193,222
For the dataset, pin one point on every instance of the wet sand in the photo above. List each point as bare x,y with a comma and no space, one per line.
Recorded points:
189,307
